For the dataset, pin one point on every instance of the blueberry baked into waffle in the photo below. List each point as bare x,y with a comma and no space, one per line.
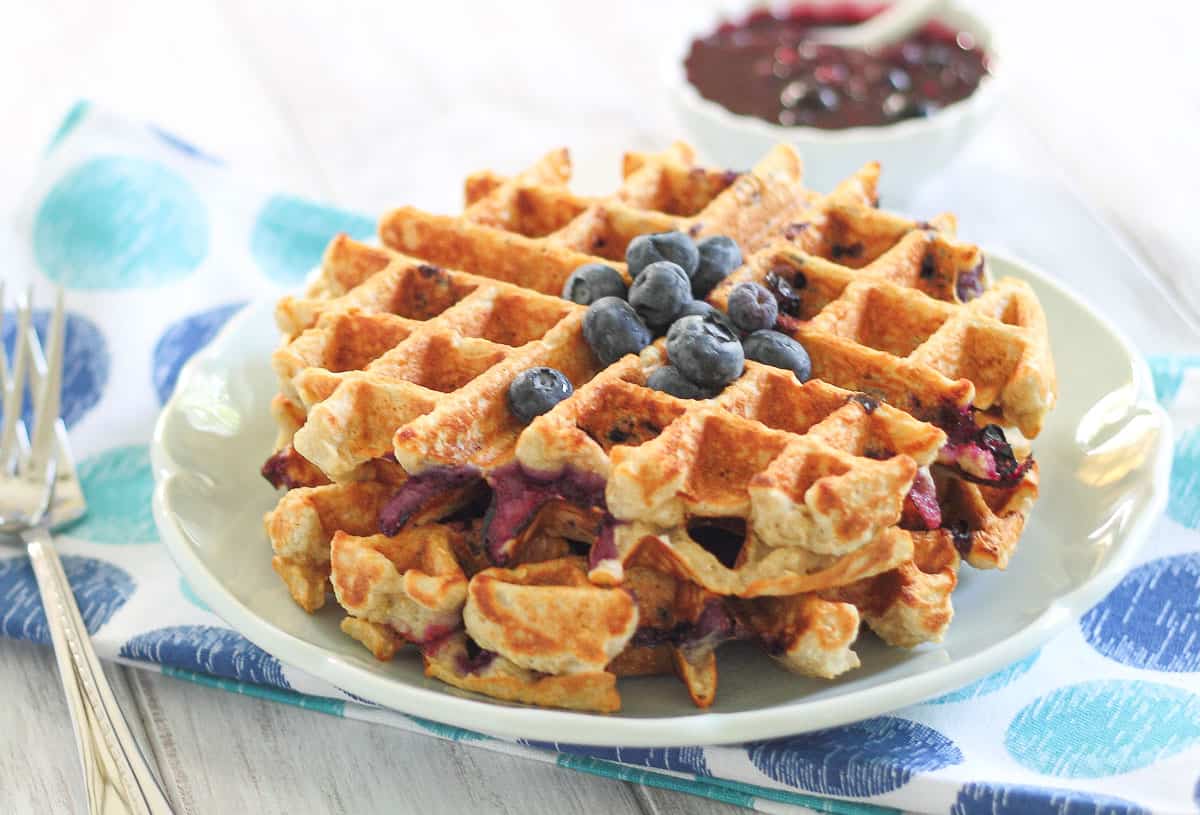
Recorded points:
558,440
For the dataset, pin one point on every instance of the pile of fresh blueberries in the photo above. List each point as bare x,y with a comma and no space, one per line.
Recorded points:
672,274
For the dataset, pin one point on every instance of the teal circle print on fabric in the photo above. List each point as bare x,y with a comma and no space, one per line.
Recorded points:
191,596
117,484
74,116
1183,504
118,223
990,683
290,236
1104,727
85,362
1151,619
1168,373
447,731
860,760
100,588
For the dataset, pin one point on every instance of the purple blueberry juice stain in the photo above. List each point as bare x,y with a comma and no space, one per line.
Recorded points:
981,455
970,283
419,490
605,547
923,498
475,660
518,493
960,533
714,626
274,469
785,295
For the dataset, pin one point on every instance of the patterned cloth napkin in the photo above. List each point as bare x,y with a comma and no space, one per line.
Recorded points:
158,247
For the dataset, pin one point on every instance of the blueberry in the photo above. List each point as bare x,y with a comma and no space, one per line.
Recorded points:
703,309
659,292
668,379
535,390
899,79
894,105
612,329
673,246
827,99
752,306
590,282
778,351
719,256
705,351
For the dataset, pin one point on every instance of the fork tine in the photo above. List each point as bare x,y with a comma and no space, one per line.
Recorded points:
46,413
15,397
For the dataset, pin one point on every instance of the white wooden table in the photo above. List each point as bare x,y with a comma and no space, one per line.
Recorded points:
389,104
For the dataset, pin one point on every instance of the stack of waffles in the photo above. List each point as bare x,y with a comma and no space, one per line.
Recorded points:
627,531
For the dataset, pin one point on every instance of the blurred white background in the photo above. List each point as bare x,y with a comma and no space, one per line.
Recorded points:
373,103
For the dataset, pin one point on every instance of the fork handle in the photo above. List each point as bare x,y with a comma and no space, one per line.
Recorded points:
116,774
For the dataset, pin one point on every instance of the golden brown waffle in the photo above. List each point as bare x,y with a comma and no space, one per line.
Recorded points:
407,588
526,231
547,633
466,338
303,524
777,511
901,311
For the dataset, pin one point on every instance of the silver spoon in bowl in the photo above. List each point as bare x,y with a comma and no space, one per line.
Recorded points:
891,25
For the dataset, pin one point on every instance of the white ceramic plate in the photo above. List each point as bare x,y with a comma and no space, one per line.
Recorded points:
1104,459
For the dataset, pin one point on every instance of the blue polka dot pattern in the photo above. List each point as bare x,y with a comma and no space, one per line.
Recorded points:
118,222
100,589
209,650
1104,727
677,759
181,340
85,362
290,236
859,760
191,596
1151,619
1017,799
1183,504
117,484
74,116
990,683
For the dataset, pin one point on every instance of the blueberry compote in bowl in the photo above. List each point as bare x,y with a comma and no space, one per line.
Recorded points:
747,80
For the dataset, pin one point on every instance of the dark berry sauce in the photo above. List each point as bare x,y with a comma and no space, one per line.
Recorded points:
765,67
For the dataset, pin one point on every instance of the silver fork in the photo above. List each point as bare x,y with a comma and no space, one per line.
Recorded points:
38,488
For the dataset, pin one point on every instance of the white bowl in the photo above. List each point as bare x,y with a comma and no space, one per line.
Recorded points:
910,150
